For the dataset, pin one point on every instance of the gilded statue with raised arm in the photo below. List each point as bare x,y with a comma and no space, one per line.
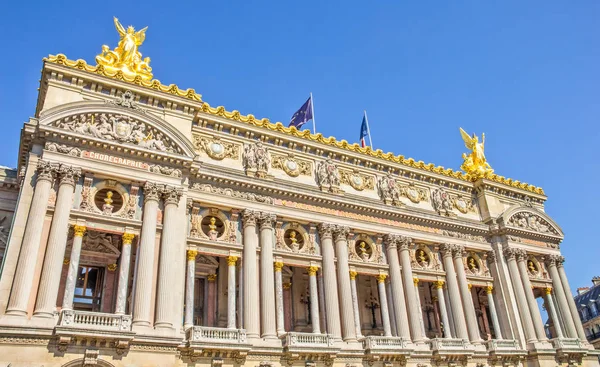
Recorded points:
126,57
474,163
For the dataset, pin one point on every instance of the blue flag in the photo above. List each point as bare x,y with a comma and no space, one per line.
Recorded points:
303,115
364,131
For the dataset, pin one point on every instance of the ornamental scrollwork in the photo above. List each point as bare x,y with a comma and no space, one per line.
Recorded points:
475,265
293,237
232,193
362,248
414,193
531,222
328,176
217,149
463,205
119,128
126,100
165,170
63,148
292,166
389,191
256,159
214,225
423,258
463,236
357,180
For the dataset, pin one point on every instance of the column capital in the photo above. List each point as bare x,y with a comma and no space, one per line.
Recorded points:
381,278
212,277
509,253
112,267
191,254
68,175
171,195
469,286
231,260
547,291
127,238
249,217
489,289
287,285
392,240
491,257
340,233
458,252
415,281
560,261
152,191
46,170
438,284
554,260
447,249
521,254
267,220
312,270
353,274
325,230
78,231
278,265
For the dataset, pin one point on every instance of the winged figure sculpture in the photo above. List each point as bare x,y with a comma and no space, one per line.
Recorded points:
475,164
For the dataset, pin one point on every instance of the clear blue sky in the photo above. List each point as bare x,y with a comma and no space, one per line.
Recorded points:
524,72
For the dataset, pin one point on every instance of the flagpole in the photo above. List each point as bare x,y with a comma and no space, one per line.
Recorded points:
312,107
368,129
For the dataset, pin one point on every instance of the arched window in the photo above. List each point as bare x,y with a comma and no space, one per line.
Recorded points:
593,309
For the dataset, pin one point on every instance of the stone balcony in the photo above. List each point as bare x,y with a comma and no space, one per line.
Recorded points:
451,350
387,348
505,351
94,325
309,347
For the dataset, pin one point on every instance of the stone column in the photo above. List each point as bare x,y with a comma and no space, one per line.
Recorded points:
355,310
211,300
322,313
467,299
552,311
534,309
329,278
168,238
190,283
409,291
495,324
78,232
572,306
418,296
123,285
145,267
391,245
561,296
57,243
385,315
314,299
231,262
251,285
439,285
267,276
343,272
279,298
526,321
458,314
287,305
388,291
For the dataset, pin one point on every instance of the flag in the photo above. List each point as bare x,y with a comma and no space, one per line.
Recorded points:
364,131
303,115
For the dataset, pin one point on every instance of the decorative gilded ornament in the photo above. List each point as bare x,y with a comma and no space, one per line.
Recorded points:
125,57
475,164
112,267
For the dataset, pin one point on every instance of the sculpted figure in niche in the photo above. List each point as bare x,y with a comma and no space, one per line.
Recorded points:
213,227
389,190
441,202
107,208
364,250
294,240
256,159
531,266
472,264
328,175
422,258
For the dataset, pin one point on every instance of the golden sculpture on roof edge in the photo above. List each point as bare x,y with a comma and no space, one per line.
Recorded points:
126,57
475,164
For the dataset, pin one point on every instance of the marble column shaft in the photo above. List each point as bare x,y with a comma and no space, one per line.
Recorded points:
385,315
531,302
190,283
493,314
563,303
251,284
552,311
391,244
231,265
388,291
356,312
57,242
145,267
418,296
526,320
439,285
314,300
78,232
279,298
124,266
343,271
267,276
211,300
456,306
330,281
467,299
414,310
570,299
323,311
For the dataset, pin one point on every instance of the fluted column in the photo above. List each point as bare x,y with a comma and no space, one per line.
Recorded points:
456,306
267,276
492,306
314,299
330,281
572,306
167,255
355,310
388,291
523,307
467,299
251,285
279,298
385,315
391,245
190,283
561,297
231,262
123,284
531,302
552,312
343,271
439,285
57,243
416,285
409,291
145,267
78,232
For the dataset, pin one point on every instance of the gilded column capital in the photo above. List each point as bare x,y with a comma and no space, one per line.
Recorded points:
489,289
46,171
340,233
171,195
66,261
152,191
415,281
249,217
267,220
438,284
509,253
469,286
353,274
112,267
312,270
325,230
278,265
287,285
548,291
191,255
127,238
458,252
381,278
232,260
68,175
79,231
211,277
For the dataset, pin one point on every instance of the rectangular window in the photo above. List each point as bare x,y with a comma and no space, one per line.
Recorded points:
88,288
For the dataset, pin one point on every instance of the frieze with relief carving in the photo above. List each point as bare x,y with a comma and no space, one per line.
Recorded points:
293,237
256,159
118,128
463,236
463,205
328,176
62,148
442,202
232,193
357,180
214,225
532,222
165,170
291,165
389,191
363,249
216,148
414,193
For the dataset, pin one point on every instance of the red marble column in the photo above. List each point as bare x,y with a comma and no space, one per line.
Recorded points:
109,291
212,300
63,282
287,305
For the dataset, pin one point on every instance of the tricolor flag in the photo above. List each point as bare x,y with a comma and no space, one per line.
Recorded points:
365,131
303,115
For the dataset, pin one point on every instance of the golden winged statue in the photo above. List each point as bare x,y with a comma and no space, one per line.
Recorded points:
475,164
126,57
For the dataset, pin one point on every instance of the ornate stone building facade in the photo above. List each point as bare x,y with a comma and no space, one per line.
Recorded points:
151,229
588,305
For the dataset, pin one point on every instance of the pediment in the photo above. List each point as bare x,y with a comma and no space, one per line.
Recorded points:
528,219
115,124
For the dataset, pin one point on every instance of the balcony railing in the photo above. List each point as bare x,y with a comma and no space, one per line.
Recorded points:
204,334
294,339
440,344
95,320
385,342
567,343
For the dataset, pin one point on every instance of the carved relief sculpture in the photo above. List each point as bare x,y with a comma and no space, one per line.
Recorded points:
216,149
390,191
256,159
531,222
292,166
328,176
441,202
357,180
